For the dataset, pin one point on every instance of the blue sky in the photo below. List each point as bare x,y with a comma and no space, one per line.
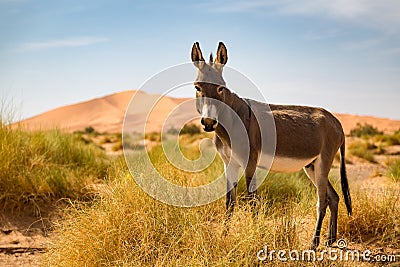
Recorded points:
343,55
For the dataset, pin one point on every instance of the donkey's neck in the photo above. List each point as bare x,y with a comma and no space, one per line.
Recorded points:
241,107
243,111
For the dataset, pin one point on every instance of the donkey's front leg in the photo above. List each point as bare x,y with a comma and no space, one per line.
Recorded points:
251,183
232,175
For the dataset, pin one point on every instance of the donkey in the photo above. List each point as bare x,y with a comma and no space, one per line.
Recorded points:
306,138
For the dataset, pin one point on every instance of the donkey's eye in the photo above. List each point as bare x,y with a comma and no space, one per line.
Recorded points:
197,88
220,89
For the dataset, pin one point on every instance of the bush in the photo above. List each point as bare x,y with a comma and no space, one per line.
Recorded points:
190,129
46,164
89,130
173,131
394,170
153,136
364,130
362,150
390,140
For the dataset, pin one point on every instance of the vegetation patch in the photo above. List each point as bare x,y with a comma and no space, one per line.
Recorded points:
389,139
394,170
364,130
130,228
46,164
375,218
363,149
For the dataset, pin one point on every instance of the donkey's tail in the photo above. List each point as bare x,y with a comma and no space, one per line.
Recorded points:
343,179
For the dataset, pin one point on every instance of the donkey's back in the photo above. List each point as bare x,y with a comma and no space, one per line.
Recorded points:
302,132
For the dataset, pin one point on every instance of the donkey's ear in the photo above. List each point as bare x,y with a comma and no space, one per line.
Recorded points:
222,54
197,56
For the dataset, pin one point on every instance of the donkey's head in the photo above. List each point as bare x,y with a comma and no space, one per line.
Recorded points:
209,84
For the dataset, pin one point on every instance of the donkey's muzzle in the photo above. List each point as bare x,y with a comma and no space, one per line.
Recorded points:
209,124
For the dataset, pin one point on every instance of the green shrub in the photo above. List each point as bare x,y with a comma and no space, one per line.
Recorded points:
394,170
190,129
89,130
362,150
389,139
153,136
364,130
173,131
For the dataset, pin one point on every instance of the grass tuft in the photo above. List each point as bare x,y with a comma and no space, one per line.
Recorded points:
46,164
362,149
394,170
374,219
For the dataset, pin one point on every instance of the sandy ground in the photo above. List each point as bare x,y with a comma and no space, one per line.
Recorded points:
25,234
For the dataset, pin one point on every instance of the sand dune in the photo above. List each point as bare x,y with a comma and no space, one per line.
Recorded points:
106,114
383,124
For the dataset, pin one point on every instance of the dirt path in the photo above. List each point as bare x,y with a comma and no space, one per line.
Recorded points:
25,234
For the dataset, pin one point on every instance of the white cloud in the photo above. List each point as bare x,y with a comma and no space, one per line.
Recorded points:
62,43
382,15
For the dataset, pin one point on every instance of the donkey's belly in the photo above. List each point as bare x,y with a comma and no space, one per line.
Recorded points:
286,164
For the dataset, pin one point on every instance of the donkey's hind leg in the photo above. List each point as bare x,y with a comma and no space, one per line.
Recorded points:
333,203
315,171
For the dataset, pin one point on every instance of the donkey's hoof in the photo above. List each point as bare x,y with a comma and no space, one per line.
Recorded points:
315,243
330,241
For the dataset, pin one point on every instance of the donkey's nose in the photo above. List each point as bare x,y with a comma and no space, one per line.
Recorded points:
209,124
208,121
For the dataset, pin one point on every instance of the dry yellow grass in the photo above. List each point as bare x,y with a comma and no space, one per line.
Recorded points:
129,228
126,227
376,219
